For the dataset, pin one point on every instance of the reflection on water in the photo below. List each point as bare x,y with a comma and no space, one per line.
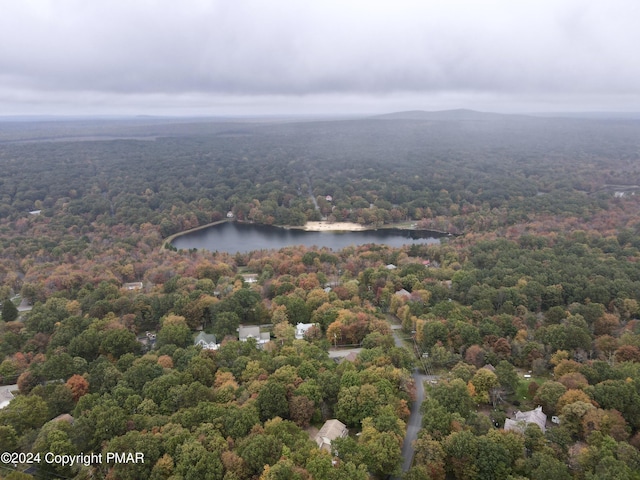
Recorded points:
235,237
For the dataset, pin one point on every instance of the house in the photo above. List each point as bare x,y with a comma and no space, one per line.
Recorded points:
6,396
64,417
148,340
403,293
523,419
301,329
133,286
207,341
250,277
391,266
331,430
253,331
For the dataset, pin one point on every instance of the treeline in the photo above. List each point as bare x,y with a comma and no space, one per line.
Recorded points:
449,174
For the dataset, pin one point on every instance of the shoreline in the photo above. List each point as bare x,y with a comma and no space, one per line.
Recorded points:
171,238
313,226
324,226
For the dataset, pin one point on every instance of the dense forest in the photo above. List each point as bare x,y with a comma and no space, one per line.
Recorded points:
533,302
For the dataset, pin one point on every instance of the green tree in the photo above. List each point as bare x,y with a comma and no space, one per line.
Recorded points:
133,442
260,450
25,413
225,323
86,345
54,438
619,395
463,371
544,466
8,438
58,396
143,371
483,381
9,310
381,448
99,424
507,376
548,395
461,449
175,334
430,454
272,401
194,462
454,396
118,341
437,421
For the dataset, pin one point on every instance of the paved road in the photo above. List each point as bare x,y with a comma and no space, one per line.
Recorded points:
415,419
313,199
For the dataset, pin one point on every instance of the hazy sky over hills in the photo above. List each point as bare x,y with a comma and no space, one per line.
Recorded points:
332,56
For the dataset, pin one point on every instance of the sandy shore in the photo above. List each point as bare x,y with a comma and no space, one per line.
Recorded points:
333,226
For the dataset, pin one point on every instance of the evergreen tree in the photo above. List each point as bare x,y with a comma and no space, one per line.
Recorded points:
9,311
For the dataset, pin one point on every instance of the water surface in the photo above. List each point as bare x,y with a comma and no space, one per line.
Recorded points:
233,237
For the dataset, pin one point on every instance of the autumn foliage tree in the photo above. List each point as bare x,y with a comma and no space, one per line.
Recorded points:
78,385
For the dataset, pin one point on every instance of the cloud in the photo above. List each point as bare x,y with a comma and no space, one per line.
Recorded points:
57,48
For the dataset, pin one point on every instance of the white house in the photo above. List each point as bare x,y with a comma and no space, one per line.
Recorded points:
207,341
301,329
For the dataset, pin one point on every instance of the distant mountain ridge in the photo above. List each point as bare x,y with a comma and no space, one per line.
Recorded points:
457,115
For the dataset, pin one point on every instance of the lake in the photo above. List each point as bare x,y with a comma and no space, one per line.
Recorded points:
233,237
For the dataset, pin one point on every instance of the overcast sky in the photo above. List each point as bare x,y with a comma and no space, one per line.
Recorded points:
220,57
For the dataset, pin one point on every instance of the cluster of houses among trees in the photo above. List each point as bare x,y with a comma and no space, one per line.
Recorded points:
543,283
